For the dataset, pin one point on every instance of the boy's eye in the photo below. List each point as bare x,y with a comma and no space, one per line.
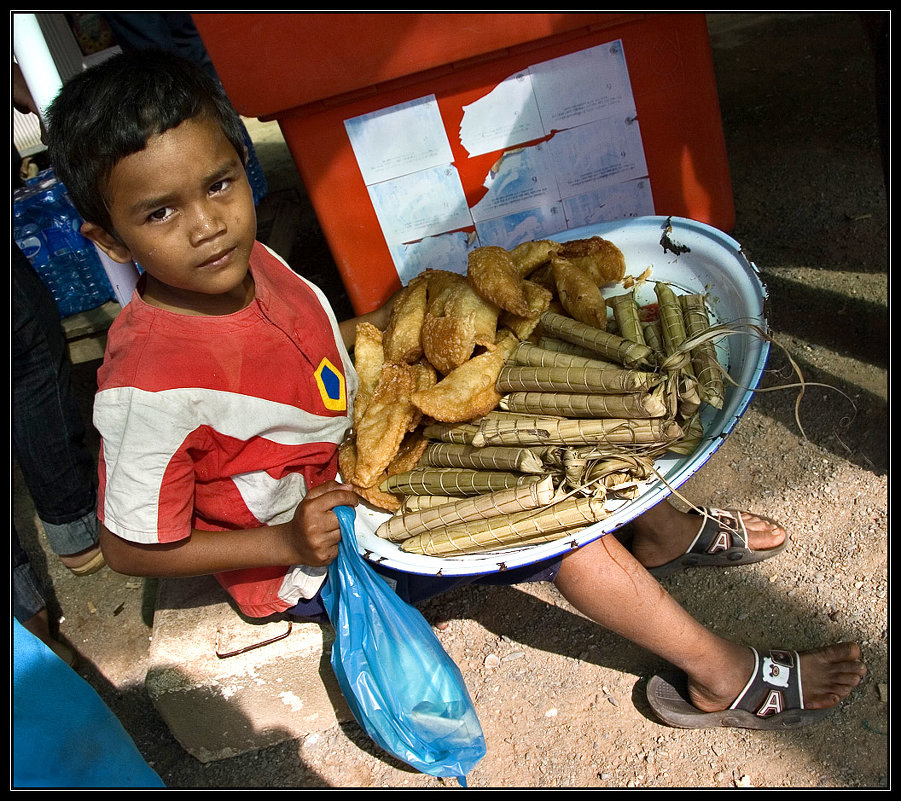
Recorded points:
159,214
220,185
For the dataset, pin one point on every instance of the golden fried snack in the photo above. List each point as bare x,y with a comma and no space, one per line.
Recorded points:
410,452
527,256
401,339
579,294
447,342
468,392
544,276
347,459
439,282
424,377
465,303
368,359
385,421
456,321
451,295
347,465
379,498
539,299
603,260
494,276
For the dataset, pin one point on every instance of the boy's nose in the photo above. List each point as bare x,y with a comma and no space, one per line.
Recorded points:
208,222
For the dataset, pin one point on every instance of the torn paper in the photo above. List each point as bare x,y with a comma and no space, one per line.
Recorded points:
507,116
520,179
448,251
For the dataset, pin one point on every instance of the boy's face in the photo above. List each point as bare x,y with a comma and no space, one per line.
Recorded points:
183,209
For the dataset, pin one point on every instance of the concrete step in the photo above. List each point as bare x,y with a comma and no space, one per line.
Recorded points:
227,685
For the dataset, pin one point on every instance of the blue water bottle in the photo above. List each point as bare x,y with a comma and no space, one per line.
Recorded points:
32,243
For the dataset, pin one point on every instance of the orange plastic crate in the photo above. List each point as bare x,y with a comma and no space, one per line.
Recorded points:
311,72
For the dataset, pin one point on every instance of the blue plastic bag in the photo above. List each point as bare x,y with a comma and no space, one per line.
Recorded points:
401,685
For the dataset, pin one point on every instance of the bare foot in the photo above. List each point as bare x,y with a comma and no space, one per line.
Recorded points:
828,675
664,533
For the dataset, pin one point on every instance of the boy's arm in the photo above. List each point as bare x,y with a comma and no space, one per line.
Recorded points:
311,538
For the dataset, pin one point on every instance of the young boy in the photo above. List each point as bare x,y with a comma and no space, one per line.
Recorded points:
226,389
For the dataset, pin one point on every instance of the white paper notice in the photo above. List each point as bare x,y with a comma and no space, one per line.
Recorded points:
507,116
587,163
423,203
598,154
405,157
582,87
399,140
616,202
511,229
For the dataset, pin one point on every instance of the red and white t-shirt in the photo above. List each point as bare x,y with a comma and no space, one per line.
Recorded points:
222,423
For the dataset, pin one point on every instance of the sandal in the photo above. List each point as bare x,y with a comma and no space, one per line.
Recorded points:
772,699
88,566
722,540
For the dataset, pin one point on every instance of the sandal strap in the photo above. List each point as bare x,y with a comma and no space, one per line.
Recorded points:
720,530
774,686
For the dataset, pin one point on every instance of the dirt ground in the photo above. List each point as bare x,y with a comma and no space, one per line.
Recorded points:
560,700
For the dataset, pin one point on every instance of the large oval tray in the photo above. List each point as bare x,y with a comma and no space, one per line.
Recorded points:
693,258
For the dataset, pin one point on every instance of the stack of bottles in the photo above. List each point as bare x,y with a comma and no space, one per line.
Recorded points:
47,228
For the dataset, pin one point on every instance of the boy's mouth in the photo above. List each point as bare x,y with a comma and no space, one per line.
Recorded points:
221,259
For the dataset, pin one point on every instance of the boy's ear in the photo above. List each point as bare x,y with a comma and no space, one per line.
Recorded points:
106,242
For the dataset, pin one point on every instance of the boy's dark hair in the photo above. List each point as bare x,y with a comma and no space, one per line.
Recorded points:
109,112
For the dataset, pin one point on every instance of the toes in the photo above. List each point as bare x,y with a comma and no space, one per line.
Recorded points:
832,674
844,652
762,533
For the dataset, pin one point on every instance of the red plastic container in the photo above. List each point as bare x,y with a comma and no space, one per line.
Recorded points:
311,72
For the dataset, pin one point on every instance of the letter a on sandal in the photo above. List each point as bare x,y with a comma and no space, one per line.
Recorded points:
772,699
721,541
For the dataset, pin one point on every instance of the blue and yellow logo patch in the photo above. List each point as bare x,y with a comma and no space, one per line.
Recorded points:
331,386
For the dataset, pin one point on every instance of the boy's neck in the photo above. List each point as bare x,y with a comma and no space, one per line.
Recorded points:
164,296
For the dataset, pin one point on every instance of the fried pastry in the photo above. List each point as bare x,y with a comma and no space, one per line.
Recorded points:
599,257
539,300
402,335
457,320
527,256
347,465
368,359
469,391
447,341
494,276
385,422
579,294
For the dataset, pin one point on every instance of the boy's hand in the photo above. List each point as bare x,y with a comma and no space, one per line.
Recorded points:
315,530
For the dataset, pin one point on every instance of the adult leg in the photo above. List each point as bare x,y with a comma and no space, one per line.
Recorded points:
171,31
28,597
48,430
607,584
29,605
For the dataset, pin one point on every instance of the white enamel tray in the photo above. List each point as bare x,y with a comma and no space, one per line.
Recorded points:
698,259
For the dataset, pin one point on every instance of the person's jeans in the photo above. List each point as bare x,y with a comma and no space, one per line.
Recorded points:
27,593
48,429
